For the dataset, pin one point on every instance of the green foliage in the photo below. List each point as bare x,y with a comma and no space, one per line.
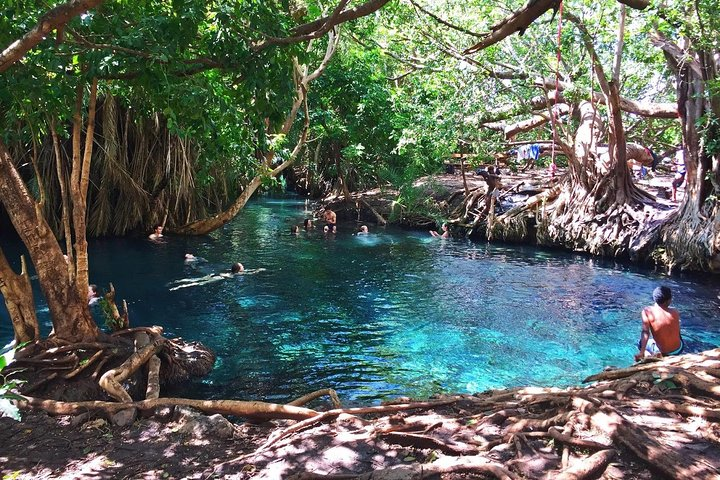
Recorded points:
416,202
110,322
396,100
8,387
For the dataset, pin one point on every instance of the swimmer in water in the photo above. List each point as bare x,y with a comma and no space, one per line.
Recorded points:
235,269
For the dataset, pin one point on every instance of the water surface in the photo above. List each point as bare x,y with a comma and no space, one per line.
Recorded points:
391,313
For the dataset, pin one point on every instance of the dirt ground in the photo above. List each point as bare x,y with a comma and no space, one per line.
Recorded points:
655,420
654,183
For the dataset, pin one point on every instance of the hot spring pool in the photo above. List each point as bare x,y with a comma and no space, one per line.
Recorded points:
392,313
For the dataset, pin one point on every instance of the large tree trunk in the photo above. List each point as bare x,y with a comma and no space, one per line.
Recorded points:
599,209
692,237
68,308
17,293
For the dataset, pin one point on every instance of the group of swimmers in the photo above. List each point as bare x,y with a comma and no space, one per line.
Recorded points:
660,333
330,226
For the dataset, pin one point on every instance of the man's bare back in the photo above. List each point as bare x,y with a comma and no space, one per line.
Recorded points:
663,323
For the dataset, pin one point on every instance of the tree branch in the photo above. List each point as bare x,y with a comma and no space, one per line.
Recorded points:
321,26
636,4
82,41
54,19
517,22
446,23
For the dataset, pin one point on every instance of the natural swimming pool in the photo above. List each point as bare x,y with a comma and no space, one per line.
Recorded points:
392,313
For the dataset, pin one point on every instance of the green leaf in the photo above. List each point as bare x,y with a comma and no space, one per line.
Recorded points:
7,409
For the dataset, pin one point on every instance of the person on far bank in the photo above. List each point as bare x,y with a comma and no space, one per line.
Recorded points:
680,172
663,324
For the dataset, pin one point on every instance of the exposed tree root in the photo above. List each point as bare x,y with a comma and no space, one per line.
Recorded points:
590,468
520,433
572,433
110,381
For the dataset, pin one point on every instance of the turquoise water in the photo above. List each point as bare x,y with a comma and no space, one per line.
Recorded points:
392,313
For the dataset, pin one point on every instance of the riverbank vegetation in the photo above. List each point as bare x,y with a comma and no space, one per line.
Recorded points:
118,116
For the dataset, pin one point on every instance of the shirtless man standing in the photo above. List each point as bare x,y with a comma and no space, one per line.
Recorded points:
663,323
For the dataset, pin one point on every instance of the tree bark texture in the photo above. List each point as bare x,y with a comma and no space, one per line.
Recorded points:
303,80
17,293
79,182
692,236
68,309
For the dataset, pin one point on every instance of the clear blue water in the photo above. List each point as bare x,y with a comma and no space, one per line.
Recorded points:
392,313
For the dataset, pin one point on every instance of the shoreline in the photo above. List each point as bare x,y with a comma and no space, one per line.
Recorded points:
652,420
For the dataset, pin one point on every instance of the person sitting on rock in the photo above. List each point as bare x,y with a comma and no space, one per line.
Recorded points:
663,324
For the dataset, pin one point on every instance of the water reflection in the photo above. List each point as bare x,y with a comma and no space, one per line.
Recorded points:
390,313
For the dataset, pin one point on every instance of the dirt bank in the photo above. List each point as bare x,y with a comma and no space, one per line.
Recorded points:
654,420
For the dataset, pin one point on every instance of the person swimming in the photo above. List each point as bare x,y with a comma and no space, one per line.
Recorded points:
331,220
235,269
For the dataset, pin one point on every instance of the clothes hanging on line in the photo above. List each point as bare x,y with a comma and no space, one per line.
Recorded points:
528,152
